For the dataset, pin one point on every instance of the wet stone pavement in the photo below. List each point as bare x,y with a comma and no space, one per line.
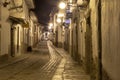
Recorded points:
37,65
68,69
45,62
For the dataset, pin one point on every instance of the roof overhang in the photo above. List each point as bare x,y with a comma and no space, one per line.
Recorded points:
16,20
24,23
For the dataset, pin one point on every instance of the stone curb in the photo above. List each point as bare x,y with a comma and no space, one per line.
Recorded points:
56,50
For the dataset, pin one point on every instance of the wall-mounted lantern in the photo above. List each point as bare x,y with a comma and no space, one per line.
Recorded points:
51,24
5,3
49,27
59,20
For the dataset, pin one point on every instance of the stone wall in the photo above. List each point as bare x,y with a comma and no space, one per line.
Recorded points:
5,31
93,6
111,38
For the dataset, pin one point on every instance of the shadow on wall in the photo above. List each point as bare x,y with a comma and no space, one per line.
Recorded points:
105,75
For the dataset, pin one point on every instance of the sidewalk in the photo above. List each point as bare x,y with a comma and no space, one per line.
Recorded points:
69,69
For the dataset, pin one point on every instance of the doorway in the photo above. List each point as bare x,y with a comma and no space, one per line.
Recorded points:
88,46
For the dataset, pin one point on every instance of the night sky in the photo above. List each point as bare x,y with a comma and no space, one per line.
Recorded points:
43,9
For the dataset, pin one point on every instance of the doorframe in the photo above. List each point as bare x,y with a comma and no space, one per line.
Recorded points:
99,41
12,40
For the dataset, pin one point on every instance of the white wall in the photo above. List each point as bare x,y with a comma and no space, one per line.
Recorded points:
59,35
31,33
111,38
5,31
21,12
0,27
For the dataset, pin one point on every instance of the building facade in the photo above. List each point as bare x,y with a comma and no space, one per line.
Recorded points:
93,37
4,30
17,27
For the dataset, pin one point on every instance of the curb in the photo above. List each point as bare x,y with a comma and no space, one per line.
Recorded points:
55,49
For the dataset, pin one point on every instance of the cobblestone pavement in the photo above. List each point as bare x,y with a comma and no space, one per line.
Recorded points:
45,63
68,69
39,65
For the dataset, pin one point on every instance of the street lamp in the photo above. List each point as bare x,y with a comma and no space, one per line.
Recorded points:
50,24
50,27
59,20
62,5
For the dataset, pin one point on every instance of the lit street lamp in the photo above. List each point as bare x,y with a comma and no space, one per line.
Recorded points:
59,20
50,24
50,27
62,5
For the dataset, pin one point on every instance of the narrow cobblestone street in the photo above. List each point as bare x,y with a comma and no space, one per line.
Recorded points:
45,62
37,65
59,39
